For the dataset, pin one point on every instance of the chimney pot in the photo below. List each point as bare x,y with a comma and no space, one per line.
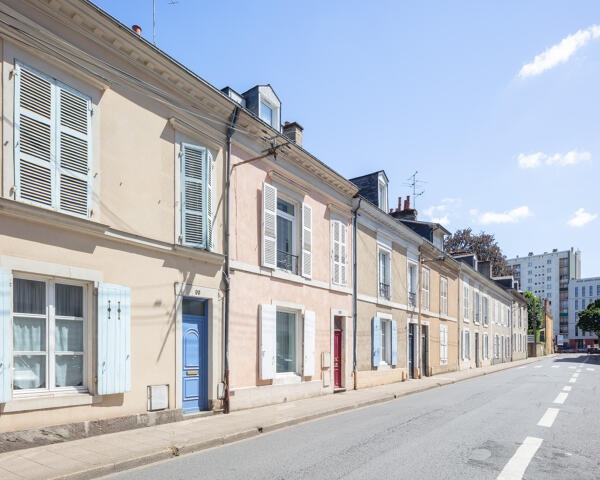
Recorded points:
137,29
407,207
293,131
399,204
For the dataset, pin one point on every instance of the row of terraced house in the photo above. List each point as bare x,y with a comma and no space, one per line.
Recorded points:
168,248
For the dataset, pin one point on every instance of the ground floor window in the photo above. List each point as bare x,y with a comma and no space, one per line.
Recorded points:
443,344
386,341
48,334
287,341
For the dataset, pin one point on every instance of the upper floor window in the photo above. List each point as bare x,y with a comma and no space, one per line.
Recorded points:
466,301
339,256
598,290
52,143
412,284
591,291
287,259
549,262
266,113
382,196
476,306
198,196
425,289
485,310
385,264
443,295
576,291
281,222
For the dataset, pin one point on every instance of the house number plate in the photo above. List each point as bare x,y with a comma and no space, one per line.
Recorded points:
192,372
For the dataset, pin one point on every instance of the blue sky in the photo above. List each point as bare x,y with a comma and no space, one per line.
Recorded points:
496,104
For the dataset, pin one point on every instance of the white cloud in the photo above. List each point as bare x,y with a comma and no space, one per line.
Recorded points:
512,216
560,52
441,213
581,217
534,160
531,161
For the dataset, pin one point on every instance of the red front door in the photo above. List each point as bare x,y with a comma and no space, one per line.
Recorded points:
337,359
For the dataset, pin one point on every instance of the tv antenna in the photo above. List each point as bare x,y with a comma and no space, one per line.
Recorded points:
415,184
171,2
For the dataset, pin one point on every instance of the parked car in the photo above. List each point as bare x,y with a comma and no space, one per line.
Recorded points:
593,349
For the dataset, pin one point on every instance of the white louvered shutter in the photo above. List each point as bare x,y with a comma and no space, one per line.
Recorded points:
336,273
211,210
269,226
268,316
34,137
308,364
343,254
193,221
306,241
73,141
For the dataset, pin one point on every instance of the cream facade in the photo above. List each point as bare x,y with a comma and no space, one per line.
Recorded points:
387,300
111,224
291,279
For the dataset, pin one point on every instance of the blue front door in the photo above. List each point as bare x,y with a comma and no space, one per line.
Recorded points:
195,355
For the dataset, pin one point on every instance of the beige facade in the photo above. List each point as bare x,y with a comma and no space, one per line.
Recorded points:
128,232
386,253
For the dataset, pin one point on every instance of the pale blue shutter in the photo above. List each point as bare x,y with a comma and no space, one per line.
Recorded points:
114,339
35,122
376,339
211,199
193,196
394,343
5,340
73,140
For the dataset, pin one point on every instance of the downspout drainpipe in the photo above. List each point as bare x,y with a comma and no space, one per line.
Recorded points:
226,273
419,298
354,289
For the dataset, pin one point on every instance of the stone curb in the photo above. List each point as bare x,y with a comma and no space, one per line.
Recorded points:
175,451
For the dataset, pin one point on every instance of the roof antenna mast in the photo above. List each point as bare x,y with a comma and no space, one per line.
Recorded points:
415,184
171,2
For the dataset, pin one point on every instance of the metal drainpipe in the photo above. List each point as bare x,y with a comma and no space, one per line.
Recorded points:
354,288
419,298
226,273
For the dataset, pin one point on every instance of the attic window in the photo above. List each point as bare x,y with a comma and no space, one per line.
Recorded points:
382,196
266,113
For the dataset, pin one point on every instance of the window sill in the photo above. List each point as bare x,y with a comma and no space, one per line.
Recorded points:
21,403
287,379
384,366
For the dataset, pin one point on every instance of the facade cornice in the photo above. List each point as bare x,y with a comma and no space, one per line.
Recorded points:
63,221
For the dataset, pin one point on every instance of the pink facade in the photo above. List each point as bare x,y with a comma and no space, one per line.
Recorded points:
283,317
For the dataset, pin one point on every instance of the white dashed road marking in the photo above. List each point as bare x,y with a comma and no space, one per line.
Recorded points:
555,366
590,369
567,388
561,397
538,366
575,375
548,419
516,466
572,368
572,380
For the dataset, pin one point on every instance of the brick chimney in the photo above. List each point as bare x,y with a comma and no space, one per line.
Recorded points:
293,131
137,29
406,212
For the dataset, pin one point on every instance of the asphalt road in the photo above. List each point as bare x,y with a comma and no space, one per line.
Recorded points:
484,428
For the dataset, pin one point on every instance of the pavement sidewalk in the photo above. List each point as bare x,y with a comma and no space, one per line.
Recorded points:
96,456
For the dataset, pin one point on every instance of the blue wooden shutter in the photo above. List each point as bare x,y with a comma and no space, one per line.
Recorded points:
35,123
193,196
73,141
376,339
394,343
5,340
114,339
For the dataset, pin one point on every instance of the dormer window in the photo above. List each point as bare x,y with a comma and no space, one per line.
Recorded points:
382,197
266,113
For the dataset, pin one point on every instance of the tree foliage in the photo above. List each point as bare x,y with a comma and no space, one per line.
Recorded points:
534,312
589,319
483,244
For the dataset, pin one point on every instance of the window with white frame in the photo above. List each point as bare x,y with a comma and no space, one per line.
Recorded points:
287,258
496,346
386,341
385,266
476,306
52,143
443,295
49,325
339,252
496,312
486,310
466,344
486,346
412,284
287,342
382,196
443,344
266,113
466,301
425,288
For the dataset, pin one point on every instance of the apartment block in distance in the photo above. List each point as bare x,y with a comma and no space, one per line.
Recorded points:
547,275
582,292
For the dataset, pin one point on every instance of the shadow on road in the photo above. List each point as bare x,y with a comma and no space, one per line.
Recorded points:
592,359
